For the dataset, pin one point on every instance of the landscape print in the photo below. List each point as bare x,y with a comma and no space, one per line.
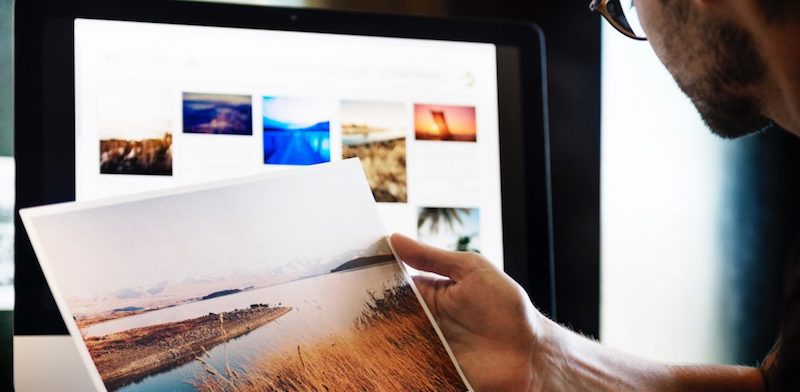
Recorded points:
220,114
256,311
133,143
375,132
441,122
455,229
297,130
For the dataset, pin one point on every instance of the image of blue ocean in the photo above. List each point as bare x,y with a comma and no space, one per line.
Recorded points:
217,114
286,144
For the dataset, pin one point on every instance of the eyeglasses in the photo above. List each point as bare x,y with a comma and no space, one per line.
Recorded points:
624,19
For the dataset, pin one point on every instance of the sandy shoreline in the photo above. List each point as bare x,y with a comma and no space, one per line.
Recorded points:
127,356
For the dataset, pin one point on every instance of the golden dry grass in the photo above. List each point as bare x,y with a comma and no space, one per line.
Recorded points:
391,347
384,164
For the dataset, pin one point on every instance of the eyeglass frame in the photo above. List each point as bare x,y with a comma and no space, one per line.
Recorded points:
601,7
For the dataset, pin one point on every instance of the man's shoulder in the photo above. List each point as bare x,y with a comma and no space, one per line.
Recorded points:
781,367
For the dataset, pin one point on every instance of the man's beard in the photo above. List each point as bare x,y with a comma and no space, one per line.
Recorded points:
727,115
733,66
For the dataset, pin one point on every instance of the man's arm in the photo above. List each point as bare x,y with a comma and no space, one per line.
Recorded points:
570,362
504,344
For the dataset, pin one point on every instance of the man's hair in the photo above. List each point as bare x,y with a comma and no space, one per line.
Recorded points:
780,10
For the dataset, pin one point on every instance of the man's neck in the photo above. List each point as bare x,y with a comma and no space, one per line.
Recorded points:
780,96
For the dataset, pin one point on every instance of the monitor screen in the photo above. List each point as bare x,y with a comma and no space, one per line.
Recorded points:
448,117
165,105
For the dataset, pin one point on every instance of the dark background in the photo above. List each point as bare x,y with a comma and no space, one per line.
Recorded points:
761,228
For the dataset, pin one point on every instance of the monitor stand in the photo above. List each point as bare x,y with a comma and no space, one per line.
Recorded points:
49,363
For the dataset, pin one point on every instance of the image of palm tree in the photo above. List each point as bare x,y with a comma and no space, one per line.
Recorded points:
441,216
464,244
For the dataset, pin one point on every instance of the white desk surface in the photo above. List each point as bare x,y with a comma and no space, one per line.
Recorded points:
48,363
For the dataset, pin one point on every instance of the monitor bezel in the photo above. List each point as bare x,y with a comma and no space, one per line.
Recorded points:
45,96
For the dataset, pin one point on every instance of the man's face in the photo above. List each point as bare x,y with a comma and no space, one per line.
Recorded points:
714,61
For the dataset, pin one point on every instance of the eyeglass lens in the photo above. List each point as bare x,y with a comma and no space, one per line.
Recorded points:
624,13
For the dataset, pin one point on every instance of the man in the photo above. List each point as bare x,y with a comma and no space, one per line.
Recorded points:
739,62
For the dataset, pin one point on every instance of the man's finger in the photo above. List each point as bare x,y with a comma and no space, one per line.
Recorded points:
423,257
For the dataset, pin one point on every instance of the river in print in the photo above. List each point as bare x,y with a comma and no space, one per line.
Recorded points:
326,306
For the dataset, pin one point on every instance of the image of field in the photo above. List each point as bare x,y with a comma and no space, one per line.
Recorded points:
390,346
220,114
144,157
445,123
450,228
281,285
375,133
297,130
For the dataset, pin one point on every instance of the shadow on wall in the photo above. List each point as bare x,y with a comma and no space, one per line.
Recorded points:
760,227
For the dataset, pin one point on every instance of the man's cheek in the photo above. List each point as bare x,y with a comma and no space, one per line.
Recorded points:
651,15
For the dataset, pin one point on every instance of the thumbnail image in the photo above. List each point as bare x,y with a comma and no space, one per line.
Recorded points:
219,114
375,133
135,131
297,130
306,294
145,156
438,122
450,228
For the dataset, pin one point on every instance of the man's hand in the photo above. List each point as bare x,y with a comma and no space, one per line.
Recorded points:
486,317
504,344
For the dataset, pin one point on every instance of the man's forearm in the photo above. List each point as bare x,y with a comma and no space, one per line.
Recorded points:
566,361
716,378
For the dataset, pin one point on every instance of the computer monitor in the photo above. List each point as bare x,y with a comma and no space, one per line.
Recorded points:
448,117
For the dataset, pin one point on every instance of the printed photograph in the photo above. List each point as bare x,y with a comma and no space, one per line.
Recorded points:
439,122
455,229
305,296
135,130
297,130
375,132
218,114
